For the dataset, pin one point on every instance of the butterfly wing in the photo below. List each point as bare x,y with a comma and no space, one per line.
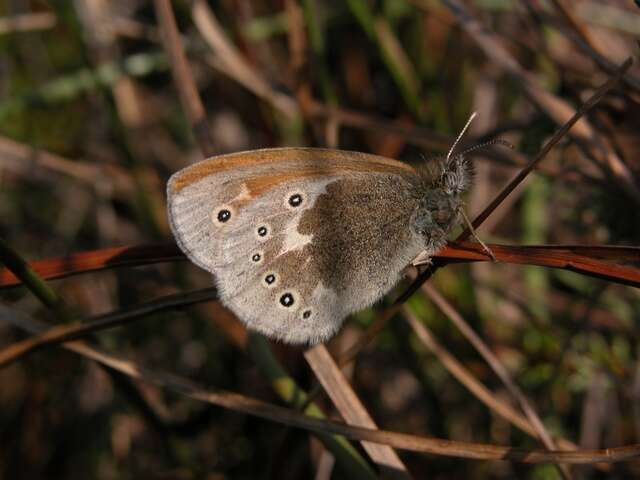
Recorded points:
296,238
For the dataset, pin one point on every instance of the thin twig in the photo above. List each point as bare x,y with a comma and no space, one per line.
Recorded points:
252,406
74,331
27,22
183,79
352,410
582,38
230,61
561,132
495,364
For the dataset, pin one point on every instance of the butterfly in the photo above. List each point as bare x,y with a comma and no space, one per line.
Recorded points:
299,238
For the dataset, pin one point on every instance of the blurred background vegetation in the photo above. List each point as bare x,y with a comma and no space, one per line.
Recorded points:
91,127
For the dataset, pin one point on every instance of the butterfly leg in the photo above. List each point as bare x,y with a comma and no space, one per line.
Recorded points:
473,232
423,258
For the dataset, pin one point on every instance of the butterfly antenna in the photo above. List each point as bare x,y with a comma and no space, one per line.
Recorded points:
495,141
455,144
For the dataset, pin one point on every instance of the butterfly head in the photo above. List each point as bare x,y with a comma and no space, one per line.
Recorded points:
437,209
442,184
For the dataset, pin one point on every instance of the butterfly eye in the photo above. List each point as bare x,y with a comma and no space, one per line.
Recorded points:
306,314
286,300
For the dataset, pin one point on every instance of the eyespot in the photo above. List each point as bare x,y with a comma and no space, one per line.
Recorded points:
222,215
287,299
263,232
256,257
270,280
306,314
294,200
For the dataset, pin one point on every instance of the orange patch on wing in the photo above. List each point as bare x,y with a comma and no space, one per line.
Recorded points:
324,162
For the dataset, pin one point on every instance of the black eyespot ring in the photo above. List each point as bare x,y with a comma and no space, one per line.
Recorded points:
262,231
256,257
224,215
306,314
286,300
295,200
269,279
